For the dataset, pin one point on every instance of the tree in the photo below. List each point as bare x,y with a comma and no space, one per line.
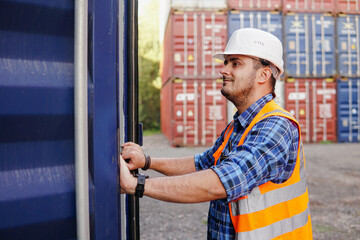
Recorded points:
149,51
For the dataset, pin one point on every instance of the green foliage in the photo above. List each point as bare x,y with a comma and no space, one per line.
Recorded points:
151,132
149,51
149,96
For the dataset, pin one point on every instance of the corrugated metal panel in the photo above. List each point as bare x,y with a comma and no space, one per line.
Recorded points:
319,6
193,112
348,45
213,112
191,39
267,21
202,5
348,110
259,5
323,45
310,46
297,52
313,104
347,6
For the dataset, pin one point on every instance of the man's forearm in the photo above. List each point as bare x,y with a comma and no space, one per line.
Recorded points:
173,166
195,187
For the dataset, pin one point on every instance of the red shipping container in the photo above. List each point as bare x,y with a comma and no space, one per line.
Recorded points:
346,6
313,104
193,112
190,40
255,5
316,6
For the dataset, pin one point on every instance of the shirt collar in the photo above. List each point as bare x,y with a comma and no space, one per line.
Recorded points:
246,117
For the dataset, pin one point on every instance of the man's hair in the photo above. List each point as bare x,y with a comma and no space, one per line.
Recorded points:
258,63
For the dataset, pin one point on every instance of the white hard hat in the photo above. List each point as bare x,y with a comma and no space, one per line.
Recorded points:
256,43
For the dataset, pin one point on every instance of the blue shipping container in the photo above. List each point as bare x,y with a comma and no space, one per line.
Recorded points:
37,152
348,45
267,21
309,45
348,110
36,120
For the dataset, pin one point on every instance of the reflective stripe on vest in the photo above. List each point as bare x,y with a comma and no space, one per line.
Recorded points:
273,211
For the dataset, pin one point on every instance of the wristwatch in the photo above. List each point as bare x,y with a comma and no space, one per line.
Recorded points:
140,187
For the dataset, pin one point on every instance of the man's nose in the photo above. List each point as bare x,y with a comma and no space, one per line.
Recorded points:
224,71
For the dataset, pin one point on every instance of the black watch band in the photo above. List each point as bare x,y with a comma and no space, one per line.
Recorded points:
140,187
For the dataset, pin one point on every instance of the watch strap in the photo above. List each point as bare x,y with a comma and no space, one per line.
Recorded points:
140,187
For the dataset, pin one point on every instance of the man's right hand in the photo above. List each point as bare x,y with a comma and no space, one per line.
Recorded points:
133,153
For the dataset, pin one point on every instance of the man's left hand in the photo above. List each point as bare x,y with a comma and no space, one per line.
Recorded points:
127,181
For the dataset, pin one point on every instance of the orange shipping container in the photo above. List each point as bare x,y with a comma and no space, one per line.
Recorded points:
313,104
193,112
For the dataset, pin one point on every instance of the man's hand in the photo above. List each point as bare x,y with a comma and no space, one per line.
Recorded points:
127,181
133,152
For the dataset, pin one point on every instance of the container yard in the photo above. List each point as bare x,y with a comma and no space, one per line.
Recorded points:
321,45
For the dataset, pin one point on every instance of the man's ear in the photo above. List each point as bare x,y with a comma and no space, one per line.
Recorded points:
265,75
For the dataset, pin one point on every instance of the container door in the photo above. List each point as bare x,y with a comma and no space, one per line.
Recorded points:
185,45
346,6
267,21
37,189
213,39
348,110
297,94
196,37
323,104
308,5
186,113
348,45
313,103
254,5
297,55
323,45
213,112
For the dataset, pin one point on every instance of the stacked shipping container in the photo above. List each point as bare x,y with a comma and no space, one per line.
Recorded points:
193,111
348,86
348,110
321,52
310,90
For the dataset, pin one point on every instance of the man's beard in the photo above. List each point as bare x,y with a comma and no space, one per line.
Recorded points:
241,97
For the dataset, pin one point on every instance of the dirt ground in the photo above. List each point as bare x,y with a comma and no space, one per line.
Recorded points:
333,177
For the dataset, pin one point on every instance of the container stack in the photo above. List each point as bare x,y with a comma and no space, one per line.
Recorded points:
310,67
320,86
193,111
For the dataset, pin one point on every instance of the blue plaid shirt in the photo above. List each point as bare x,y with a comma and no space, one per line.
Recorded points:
268,154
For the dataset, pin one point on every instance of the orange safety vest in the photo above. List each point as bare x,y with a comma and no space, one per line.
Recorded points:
272,211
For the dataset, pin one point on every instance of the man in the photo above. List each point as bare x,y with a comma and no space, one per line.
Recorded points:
254,175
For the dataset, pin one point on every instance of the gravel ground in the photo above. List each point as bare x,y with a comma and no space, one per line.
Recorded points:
334,187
